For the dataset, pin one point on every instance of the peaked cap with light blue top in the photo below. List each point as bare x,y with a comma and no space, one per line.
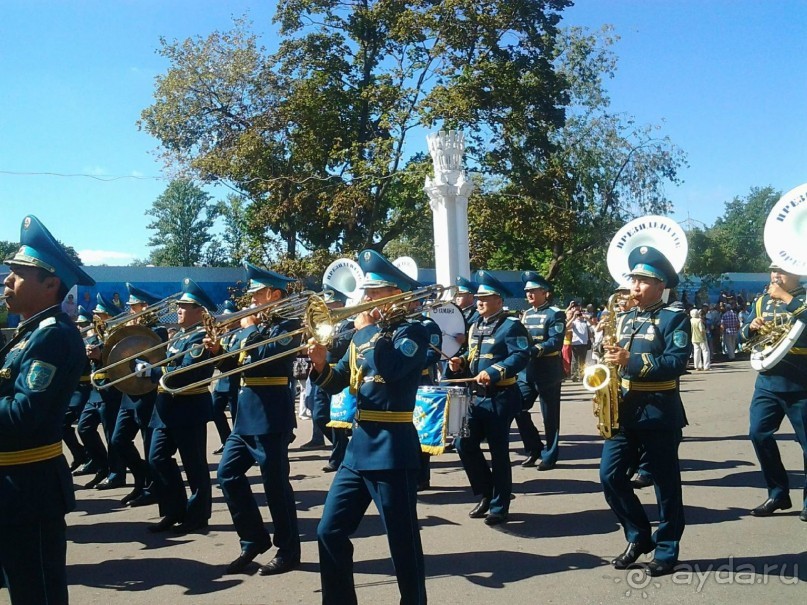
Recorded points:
465,286
104,305
139,296
38,248
334,296
487,285
192,293
258,279
646,261
533,280
228,307
83,316
381,273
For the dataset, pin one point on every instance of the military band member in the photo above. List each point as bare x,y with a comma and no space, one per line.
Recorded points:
179,422
466,302
225,391
321,412
102,408
544,373
499,349
382,367
779,391
653,347
135,415
262,431
40,368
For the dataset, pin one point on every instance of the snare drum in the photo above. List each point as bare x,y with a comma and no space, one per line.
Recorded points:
439,413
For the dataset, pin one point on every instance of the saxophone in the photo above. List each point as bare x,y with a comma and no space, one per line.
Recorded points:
603,379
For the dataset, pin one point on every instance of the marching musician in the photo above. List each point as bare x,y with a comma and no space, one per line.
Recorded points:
321,409
780,390
499,348
262,431
465,300
135,415
382,367
40,368
653,348
225,391
77,402
101,409
543,375
179,422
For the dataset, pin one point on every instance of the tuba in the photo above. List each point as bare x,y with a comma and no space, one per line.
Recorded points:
603,379
784,236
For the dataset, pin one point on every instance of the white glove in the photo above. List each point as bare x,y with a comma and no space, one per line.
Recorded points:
142,368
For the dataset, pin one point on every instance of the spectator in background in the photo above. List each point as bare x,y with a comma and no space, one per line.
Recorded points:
713,323
70,308
581,343
730,326
700,341
118,303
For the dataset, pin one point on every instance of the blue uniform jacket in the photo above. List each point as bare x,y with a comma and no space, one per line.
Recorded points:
428,375
384,369
193,409
547,327
111,396
228,384
659,339
790,374
500,346
265,402
39,374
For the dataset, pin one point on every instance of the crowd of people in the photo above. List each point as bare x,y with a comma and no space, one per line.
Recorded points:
367,365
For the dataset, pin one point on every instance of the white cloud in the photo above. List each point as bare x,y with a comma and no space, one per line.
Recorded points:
105,257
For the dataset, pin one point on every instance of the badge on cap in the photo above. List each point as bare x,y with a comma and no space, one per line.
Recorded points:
26,222
643,250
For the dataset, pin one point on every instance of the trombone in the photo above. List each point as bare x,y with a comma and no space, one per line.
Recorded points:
151,313
213,325
319,322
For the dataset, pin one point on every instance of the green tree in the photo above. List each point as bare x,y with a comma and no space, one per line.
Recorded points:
558,213
183,216
738,234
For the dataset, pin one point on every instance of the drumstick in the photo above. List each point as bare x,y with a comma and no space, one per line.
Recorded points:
443,355
458,380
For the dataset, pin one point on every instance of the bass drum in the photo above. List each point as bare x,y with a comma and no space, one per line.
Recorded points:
449,317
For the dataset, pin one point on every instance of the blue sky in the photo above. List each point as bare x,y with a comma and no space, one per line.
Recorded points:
727,79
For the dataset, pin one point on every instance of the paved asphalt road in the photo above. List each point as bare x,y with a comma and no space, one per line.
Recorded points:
555,549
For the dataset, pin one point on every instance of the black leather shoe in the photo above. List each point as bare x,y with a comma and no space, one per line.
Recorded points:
803,515
144,499
97,480
278,565
423,486
245,558
219,450
641,481
546,466
481,509
329,468
88,468
187,527
530,460
162,525
631,555
771,505
660,568
495,519
132,495
107,484
77,463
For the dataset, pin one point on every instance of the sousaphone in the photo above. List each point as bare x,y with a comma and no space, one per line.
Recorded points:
345,275
659,232
784,236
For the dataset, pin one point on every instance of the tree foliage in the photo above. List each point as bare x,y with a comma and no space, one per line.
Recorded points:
735,242
183,216
318,137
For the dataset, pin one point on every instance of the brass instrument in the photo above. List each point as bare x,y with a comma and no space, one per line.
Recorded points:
783,236
603,379
319,323
130,343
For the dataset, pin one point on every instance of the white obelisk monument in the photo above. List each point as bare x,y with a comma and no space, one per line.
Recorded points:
448,195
